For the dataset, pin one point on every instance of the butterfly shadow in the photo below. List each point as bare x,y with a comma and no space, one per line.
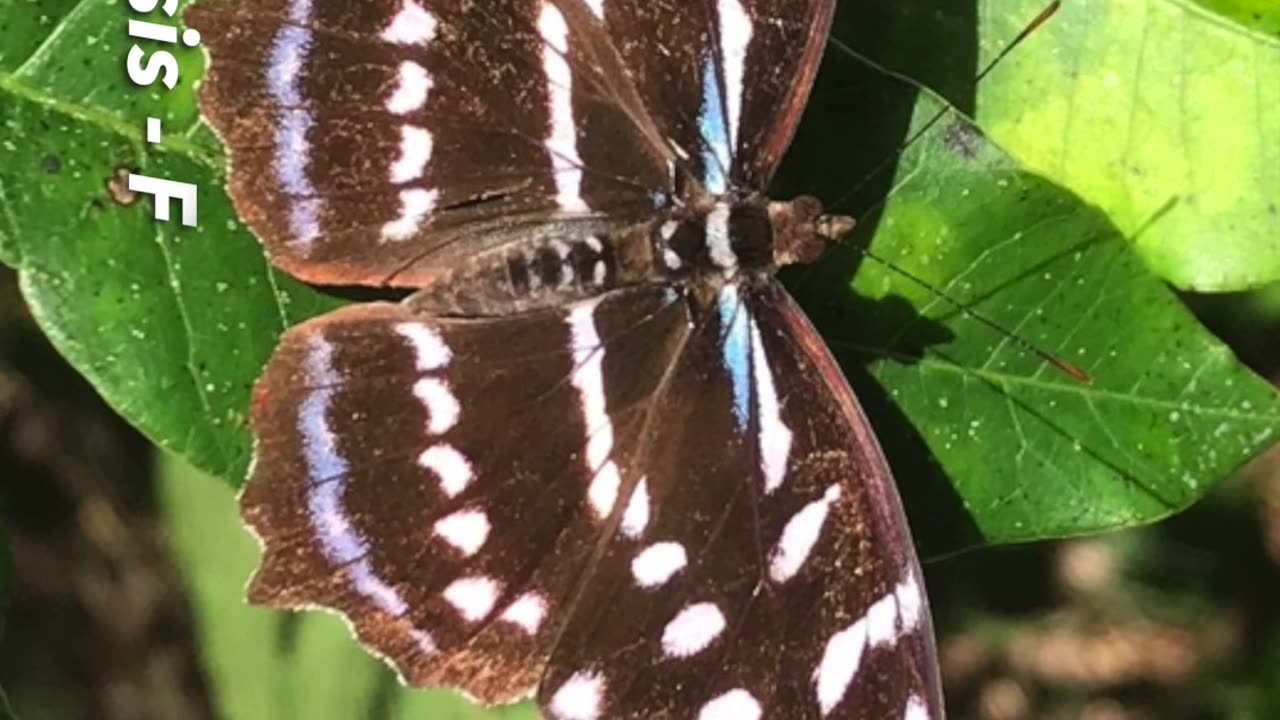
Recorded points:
941,522
846,153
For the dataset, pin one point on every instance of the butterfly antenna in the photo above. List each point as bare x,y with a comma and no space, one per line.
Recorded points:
1045,15
1048,12
1066,368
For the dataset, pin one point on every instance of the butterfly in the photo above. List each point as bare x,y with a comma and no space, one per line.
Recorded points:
598,456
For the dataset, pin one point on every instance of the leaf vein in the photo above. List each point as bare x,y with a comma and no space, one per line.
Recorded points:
175,285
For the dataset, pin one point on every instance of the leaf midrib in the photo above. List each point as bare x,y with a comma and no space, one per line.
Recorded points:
1088,393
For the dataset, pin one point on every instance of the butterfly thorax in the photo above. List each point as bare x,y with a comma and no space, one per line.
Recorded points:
754,235
712,240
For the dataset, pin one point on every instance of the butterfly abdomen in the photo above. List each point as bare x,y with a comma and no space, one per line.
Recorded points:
549,272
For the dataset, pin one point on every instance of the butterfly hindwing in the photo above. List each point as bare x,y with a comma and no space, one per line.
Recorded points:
430,479
775,577
866,570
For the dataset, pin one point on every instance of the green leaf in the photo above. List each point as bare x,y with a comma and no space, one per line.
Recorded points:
989,443
1260,15
172,326
264,665
1158,112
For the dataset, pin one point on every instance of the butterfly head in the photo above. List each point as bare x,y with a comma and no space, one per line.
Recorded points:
802,232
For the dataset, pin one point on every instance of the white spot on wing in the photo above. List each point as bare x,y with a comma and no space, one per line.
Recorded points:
413,25
412,85
692,630
450,466
887,621
882,621
600,444
426,643
528,611
473,597
636,517
588,378
910,603
415,153
915,709
579,698
466,530
655,565
603,493
415,205
588,355
799,535
734,705
775,436
840,661
442,407
430,352
562,143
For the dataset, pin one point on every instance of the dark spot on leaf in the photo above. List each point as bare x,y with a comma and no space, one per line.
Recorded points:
963,139
51,164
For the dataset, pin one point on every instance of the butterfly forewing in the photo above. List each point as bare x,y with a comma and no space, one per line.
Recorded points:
368,136
780,60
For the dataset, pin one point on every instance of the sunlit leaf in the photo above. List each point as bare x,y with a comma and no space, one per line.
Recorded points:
1159,112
